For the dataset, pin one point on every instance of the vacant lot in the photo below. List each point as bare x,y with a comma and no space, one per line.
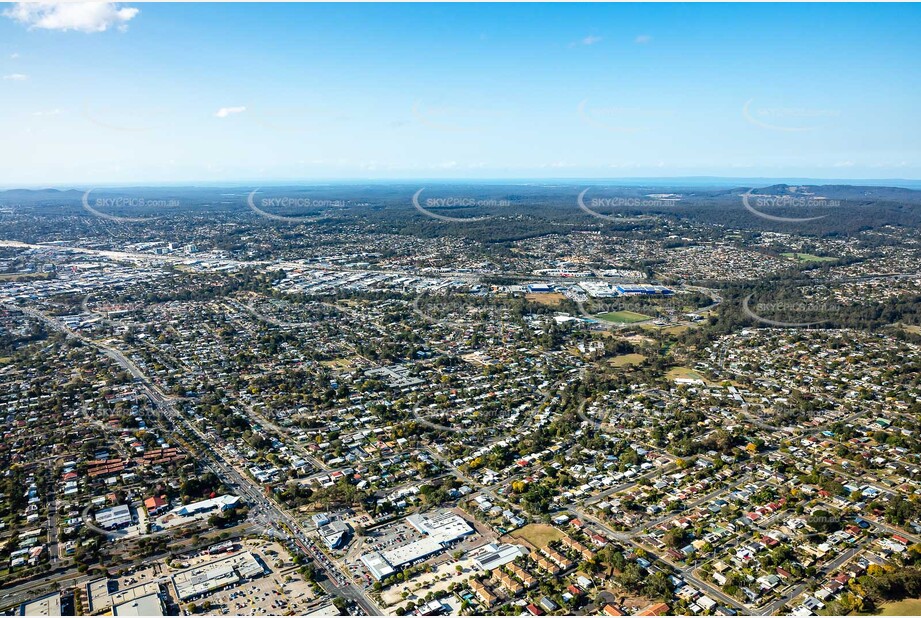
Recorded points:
627,359
623,317
551,300
338,363
676,330
538,535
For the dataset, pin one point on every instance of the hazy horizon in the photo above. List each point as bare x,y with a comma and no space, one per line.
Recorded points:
665,181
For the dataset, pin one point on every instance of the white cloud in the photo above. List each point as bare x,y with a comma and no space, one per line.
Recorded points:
642,38
80,16
50,112
16,77
844,164
14,55
224,112
591,39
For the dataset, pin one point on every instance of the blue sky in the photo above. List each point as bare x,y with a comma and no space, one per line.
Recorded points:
263,92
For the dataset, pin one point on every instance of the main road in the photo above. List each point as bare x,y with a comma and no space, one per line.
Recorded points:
337,583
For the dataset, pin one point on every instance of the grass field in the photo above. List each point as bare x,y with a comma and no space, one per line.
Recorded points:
627,359
807,257
538,535
908,607
623,317
683,372
670,330
550,300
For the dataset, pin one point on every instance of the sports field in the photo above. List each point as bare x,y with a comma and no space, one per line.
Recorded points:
807,257
623,317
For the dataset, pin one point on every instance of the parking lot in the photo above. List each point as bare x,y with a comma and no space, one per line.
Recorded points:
280,591
268,595
380,539
399,533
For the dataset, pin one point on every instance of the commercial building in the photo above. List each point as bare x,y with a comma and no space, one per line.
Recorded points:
334,533
493,556
115,517
155,504
147,605
444,527
640,289
48,605
377,565
103,594
220,503
440,530
205,578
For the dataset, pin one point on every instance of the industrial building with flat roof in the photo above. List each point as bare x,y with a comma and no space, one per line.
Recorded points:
205,578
